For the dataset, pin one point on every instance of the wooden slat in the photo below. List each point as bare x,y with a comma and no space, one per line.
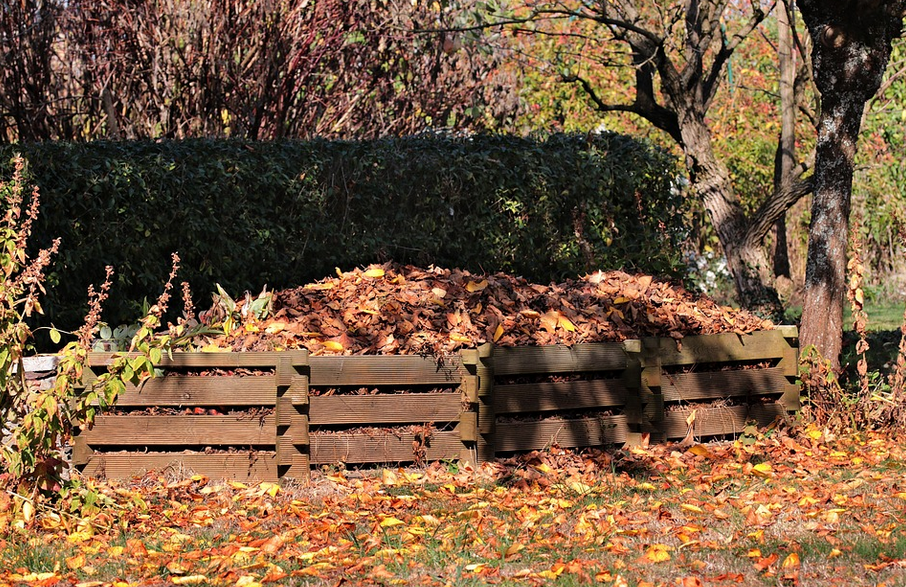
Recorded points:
559,359
384,370
549,396
178,430
380,448
261,359
721,421
178,390
718,348
385,409
723,384
584,432
257,466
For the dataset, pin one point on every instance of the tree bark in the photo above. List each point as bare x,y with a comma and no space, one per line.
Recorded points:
747,258
786,145
851,49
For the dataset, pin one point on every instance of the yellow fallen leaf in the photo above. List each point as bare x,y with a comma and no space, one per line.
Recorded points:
189,580
275,327
691,508
439,292
333,345
514,549
456,337
763,470
621,300
76,562
389,522
498,333
700,450
791,561
247,581
390,478
658,553
375,272
566,324
474,286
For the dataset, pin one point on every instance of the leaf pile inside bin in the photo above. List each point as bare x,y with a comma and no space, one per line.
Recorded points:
391,309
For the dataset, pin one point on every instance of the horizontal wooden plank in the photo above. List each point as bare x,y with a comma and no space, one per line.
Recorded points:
583,432
525,398
416,408
380,448
384,370
179,430
257,466
723,384
602,356
720,421
720,348
193,360
179,390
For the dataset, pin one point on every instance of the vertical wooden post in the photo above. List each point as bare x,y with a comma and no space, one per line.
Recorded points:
632,383
790,365
468,419
650,391
292,415
480,364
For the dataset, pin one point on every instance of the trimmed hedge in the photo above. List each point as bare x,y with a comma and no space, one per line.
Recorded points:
246,214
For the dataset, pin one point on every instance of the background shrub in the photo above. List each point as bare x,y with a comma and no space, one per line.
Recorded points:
246,214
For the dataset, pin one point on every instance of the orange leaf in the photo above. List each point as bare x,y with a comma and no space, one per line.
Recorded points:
473,286
658,553
498,333
791,561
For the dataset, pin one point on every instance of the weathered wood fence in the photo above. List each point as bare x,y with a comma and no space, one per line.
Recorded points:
271,415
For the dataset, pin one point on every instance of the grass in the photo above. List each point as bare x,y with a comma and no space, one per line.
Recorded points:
828,511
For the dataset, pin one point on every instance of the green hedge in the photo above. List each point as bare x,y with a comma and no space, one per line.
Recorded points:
246,214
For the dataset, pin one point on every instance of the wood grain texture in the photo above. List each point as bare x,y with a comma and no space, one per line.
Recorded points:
385,409
258,466
526,398
263,359
380,448
179,390
720,348
584,432
723,384
180,430
384,370
721,421
559,359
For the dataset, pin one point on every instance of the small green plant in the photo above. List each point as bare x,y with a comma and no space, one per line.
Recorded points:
38,423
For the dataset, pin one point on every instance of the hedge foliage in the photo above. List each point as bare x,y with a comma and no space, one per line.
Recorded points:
246,214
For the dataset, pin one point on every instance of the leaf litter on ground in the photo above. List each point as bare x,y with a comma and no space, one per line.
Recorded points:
791,508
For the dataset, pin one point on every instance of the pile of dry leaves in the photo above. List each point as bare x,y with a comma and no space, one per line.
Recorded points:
394,309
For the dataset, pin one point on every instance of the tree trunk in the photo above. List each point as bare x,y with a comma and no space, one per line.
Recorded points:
852,44
786,145
747,260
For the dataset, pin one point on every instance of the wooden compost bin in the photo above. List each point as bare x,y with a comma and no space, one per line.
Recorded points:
240,415
272,415
413,410
728,379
